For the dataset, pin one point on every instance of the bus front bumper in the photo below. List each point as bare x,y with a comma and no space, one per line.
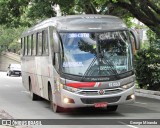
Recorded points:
73,100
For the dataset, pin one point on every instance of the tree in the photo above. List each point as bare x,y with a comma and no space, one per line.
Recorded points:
20,12
11,12
146,11
39,10
9,39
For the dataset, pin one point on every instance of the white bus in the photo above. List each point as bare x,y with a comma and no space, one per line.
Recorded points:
80,61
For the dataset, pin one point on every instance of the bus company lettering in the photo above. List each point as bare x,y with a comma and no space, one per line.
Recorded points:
73,64
75,35
113,35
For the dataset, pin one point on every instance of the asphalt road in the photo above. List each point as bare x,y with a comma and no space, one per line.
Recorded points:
15,100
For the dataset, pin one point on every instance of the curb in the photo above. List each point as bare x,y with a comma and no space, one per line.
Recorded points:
148,93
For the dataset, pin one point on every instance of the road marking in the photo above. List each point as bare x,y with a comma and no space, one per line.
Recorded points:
131,126
140,103
25,92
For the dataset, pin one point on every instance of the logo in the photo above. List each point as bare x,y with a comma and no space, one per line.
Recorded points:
101,92
6,122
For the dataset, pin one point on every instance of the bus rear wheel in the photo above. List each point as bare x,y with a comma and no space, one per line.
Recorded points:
53,106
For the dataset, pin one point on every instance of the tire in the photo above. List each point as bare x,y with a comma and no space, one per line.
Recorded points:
53,106
112,108
9,74
33,96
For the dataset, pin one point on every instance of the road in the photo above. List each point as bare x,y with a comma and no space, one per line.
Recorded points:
15,100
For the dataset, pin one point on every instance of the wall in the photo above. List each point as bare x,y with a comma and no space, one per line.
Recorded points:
8,58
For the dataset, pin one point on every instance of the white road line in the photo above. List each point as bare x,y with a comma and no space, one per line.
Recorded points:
131,126
25,92
140,103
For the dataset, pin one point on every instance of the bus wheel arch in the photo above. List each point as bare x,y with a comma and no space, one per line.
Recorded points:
33,96
53,105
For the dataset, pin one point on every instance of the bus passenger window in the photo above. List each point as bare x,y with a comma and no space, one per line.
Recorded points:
45,43
39,43
26,45
29,45
22,47
34,45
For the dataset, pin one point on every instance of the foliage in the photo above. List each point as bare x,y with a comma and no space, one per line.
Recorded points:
17,13
11,12
38,10
154,40
147,68
9,39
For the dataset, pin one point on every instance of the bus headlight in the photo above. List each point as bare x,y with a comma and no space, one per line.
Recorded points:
71,89
126,86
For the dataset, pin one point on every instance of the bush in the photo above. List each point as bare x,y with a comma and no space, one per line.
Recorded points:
147,66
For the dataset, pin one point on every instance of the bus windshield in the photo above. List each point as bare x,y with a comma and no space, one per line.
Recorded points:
96,54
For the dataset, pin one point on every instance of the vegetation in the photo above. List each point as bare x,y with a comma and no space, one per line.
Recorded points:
15,15
9,39
147,64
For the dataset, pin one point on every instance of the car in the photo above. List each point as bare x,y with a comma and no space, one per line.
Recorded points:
14,69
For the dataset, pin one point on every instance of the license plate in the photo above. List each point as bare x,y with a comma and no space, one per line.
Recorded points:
16,72
100,105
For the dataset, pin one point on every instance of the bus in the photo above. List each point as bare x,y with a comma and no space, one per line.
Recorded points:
80,61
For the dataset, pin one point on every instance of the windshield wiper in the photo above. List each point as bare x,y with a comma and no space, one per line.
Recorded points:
89,67
112,67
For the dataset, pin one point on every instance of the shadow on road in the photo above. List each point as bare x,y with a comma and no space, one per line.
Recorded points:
93,112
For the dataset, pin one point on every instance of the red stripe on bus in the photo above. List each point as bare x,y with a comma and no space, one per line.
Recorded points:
99,84
81,84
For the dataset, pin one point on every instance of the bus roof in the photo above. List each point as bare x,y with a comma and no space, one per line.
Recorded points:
82,23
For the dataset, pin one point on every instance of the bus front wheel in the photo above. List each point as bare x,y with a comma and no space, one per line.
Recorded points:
53,106
32,95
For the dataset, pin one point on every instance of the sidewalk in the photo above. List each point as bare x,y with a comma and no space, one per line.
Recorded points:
5,115
148,93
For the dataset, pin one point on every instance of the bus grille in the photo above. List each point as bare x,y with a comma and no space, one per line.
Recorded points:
97,100
96,92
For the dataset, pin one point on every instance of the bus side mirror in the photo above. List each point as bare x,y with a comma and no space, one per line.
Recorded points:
136,39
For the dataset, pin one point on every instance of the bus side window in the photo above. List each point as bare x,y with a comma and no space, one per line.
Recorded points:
29,45
22,46
34,44
45,43
55,42
26,46
56,50
39,48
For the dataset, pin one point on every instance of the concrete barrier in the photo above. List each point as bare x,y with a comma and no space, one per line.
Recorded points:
7,58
